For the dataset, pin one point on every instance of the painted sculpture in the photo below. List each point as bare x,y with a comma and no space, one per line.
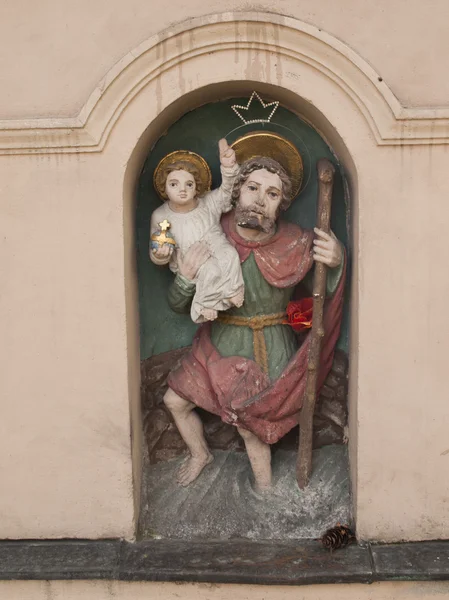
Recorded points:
247,366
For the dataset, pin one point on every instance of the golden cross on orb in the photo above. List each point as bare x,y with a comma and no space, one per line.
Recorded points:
165,225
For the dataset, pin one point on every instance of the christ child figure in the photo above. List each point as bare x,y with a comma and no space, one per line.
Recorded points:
193,215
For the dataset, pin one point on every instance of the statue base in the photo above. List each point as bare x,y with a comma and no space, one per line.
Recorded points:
222,504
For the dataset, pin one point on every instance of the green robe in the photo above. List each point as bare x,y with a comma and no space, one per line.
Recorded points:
261,298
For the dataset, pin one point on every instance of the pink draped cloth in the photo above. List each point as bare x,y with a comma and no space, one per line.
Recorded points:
236,388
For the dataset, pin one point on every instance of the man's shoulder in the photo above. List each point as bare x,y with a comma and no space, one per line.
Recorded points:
292,230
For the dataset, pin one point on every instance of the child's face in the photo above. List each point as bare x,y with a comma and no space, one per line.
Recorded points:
180,188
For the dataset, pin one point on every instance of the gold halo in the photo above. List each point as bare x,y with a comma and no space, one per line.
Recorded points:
184,156
271,145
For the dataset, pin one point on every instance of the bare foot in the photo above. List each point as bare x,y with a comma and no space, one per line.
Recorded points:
209,314
191,468
237,300
263,490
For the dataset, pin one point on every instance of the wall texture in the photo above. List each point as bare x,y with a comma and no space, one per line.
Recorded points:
55,53
71,149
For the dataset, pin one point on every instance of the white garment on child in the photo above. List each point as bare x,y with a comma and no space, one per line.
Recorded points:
220,277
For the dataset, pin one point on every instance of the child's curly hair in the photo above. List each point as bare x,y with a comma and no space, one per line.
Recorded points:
180,165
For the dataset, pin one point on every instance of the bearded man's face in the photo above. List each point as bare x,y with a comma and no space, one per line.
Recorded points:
260,197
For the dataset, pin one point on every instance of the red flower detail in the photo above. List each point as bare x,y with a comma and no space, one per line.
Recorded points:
299,314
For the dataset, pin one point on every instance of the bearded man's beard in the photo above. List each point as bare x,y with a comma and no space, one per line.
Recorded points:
253,217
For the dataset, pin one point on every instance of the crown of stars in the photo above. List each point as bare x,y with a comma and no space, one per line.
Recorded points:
265,105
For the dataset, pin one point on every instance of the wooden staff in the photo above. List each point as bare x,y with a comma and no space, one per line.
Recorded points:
326,173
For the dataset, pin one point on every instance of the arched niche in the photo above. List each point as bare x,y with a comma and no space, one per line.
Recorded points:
196,122
153,98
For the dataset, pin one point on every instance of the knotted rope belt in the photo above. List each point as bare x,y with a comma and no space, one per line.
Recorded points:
257,324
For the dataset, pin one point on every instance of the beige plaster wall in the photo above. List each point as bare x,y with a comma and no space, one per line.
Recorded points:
53,53
69,386
99,590
65,436
403,467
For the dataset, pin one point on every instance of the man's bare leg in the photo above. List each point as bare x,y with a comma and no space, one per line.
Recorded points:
191,429
259,455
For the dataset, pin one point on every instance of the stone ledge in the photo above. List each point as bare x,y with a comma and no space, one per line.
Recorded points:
303,562
59,559
415,561
299,563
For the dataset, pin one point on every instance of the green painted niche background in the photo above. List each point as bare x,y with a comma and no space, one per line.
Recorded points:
199,130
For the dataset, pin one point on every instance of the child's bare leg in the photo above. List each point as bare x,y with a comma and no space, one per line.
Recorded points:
237,299
191,429
209,313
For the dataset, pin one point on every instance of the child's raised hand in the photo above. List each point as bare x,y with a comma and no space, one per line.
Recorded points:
227,154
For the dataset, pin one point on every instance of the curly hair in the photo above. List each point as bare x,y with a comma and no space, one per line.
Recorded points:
180,165
271,165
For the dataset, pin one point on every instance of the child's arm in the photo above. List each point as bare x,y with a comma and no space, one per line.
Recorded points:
221,197
228,176
228,165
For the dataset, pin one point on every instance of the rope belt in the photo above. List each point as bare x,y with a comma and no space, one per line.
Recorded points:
257,324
